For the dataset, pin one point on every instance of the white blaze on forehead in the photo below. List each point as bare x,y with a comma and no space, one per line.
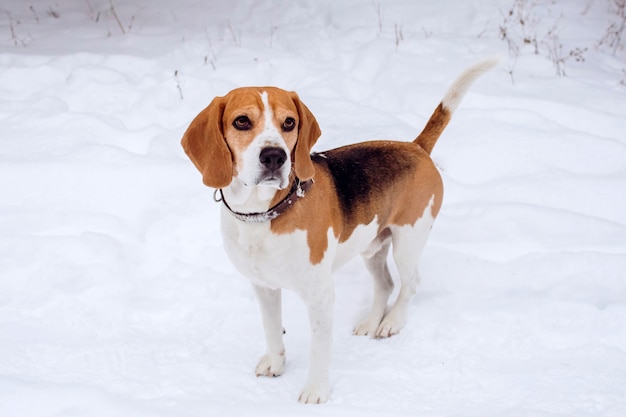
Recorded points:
251,170
267,113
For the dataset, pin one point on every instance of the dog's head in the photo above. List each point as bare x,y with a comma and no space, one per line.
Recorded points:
259,135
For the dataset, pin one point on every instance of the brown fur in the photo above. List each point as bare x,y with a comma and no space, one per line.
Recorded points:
392,182
204,143
433,129
400,200
210,137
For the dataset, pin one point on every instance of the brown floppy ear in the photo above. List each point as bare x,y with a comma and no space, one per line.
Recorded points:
308,133
205,145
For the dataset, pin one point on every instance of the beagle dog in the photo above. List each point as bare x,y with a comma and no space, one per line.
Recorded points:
290,217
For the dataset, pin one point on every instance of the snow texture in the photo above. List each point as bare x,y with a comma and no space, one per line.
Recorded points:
117,299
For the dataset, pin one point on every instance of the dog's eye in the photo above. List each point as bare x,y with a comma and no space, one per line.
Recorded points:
242,123
289,124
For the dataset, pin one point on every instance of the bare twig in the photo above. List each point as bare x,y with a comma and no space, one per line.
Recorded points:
11,27
272,30
236,38
554,48
399,35
16,40
95,16
117,19
53,13
512,69
180,90
615,30
32,9
213,60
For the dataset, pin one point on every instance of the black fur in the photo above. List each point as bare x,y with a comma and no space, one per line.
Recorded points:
364,171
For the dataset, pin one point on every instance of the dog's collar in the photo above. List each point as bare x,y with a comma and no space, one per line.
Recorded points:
298,190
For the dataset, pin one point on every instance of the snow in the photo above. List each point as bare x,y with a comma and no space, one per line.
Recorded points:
117,299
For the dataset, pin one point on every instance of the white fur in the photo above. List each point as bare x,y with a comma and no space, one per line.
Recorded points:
276,261
408,243
358,243
272,262
457,90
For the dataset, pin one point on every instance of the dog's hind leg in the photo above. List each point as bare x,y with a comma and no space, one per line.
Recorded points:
376,261
408,244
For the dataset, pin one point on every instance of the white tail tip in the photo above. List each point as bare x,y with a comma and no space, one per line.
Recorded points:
457,90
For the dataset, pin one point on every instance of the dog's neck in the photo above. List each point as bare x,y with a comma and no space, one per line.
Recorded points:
296,192
250,199
253,199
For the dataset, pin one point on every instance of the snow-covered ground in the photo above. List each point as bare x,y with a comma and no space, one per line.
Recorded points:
116,298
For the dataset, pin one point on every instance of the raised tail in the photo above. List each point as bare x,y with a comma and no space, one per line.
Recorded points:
442,114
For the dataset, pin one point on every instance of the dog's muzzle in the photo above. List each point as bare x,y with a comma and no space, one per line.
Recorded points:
272,160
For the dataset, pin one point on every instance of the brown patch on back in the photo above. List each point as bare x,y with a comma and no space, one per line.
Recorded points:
393,181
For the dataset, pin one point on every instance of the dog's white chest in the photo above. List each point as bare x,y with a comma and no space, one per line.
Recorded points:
267,259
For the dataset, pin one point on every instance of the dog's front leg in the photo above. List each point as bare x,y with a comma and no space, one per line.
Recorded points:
273,362
320,305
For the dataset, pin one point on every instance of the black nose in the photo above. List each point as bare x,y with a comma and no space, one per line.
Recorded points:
272,158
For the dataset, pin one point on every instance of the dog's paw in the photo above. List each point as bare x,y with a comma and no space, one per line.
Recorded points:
271,365
315,393
366,328
391,325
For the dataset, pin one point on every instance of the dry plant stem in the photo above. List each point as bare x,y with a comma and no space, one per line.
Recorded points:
117,19
14,37
512,69
615,30
236,38
379,13
399,35
213,59
11,27
32,9
555,53
180,90
53,13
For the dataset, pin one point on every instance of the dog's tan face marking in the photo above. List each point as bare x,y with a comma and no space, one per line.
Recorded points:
225,140
254,120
